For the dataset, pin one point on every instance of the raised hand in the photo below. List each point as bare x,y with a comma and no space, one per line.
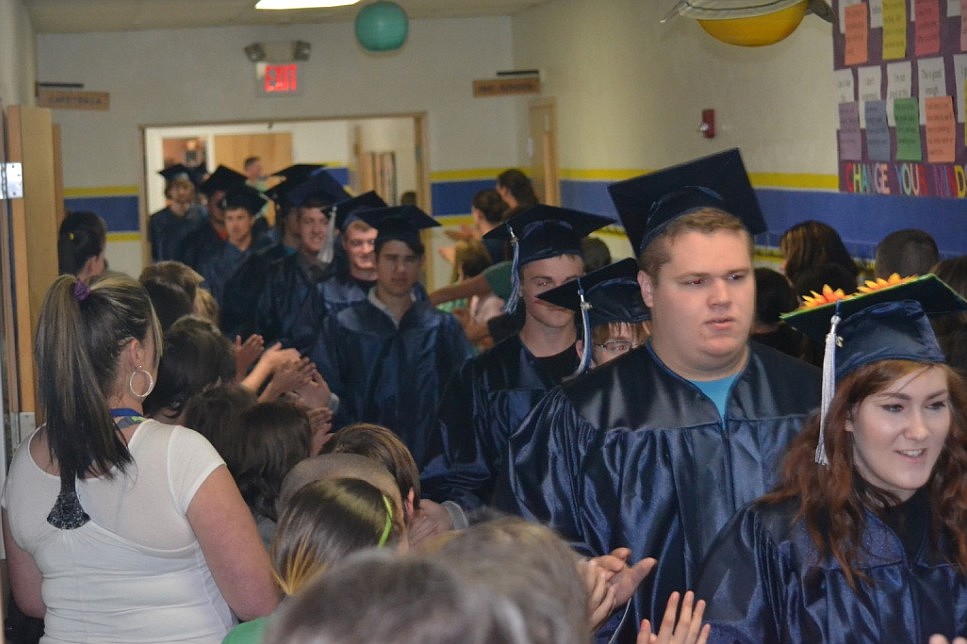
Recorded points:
688,629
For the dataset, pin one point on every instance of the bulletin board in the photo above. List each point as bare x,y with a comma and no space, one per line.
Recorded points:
900,70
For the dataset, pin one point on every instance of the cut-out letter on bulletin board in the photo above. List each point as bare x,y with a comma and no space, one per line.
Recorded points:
927,27
907,114
941,130
857,35
895,29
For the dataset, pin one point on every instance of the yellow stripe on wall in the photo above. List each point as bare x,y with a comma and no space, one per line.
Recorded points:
101,191
800,181
124,237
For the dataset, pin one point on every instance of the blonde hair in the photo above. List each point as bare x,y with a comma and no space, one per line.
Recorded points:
703,220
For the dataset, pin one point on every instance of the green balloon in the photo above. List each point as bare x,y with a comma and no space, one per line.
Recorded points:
381,26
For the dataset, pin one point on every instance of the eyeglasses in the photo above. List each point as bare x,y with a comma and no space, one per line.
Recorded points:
617,346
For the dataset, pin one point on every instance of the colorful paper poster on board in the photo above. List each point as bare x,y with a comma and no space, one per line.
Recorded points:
895,29
850,135
941,130
927,39
907,113
857,35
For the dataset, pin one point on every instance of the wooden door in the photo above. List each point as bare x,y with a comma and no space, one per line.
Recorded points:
29,247
275,151
542,151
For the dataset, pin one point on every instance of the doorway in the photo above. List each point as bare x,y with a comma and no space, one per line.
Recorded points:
542,150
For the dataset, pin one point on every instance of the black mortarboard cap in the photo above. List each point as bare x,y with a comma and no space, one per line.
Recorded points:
648,203
177,171
320,184
611,294
882,324
347,211
887,323
222,179
544,231
244,196
298,172
402,223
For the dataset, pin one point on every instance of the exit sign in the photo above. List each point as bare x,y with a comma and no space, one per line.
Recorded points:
278,79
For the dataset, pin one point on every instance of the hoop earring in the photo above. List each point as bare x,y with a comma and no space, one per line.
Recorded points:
150,387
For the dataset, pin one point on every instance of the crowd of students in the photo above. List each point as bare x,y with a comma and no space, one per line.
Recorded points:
623,464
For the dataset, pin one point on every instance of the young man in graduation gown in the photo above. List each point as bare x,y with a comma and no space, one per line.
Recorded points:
657,450
389,356
290,308
207,241
235,273
170,228
351,279
493,392
285,235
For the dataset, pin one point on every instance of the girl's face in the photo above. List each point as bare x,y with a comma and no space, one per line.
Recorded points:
899,433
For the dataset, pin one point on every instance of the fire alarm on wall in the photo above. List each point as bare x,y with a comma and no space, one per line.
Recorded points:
707,128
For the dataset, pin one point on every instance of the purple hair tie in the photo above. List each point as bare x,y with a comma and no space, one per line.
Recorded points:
81,291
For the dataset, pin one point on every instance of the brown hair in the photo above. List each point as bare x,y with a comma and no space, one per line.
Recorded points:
813,243
383,446
639,331
833,500
704,220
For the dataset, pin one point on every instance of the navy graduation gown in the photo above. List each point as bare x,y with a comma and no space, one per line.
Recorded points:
764,582
482,406
169,233
290,307
241,295
632,455
340,291
388,375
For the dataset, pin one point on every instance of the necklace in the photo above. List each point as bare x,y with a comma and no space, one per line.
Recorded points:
126,416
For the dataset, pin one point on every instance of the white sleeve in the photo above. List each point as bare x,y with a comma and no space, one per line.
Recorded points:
191,458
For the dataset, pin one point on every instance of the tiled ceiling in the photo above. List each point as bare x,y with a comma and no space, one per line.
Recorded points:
80,16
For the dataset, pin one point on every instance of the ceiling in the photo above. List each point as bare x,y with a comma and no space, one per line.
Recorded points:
81,16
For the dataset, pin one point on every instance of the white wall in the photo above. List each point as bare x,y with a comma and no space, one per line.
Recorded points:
18,63
202,76
630,90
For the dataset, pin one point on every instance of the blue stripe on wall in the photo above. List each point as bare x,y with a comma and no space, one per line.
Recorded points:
120,213
862,220
454,197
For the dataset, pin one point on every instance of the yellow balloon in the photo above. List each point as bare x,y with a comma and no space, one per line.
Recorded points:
757,31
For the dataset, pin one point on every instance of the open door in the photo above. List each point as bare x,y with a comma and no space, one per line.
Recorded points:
542,150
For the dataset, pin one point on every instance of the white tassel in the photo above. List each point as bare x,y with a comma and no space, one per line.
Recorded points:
828,387
586,325
511,304
328,248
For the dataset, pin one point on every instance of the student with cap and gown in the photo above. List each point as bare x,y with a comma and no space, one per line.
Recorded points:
170,228
350,280
493,392
614,318
657,450
291,308
208,240
865,537
235,273
285,234
389,356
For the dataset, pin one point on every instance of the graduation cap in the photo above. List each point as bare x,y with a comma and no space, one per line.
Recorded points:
647,204
609,294
177,172
298,172
402,223
222,179
246,197
319,185
540,232
346,212
882,322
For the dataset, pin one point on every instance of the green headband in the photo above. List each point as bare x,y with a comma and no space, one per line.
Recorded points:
389,521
